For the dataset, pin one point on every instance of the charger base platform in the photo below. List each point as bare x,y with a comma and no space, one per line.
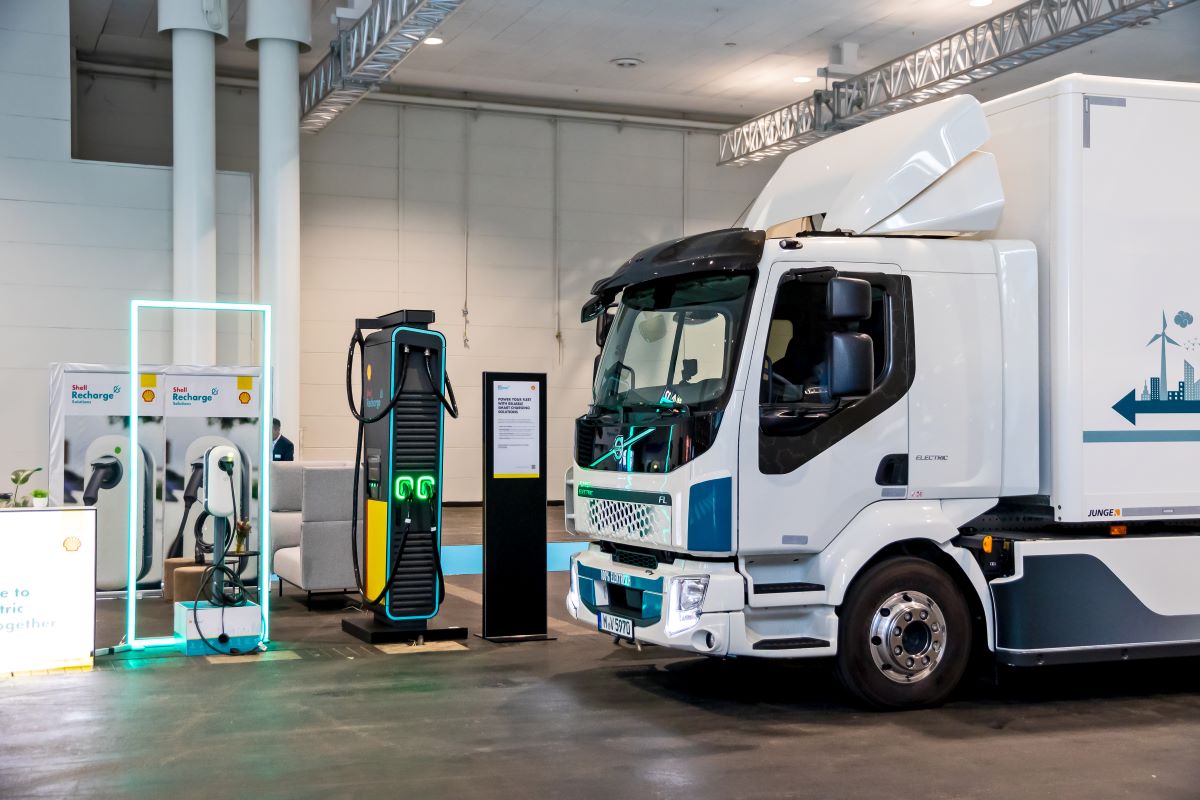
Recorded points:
367,628
242,624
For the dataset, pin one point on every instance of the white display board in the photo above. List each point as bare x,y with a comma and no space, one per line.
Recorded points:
47,589
515,446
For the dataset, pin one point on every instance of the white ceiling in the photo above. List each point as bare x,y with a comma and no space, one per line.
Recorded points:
720,59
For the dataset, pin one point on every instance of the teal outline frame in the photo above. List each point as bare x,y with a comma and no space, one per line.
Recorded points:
387,600
264,478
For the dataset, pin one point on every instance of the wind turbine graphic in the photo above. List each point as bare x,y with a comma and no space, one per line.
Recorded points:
1163,341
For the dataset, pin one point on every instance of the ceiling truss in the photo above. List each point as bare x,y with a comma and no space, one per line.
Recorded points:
365,55
1024,33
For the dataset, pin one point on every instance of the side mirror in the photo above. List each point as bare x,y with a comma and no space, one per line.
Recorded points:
849,299
603,325
851,364
592,308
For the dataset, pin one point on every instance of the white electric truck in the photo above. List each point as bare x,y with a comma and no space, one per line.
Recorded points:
937,397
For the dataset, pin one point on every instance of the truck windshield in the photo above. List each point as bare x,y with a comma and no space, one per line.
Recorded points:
673,343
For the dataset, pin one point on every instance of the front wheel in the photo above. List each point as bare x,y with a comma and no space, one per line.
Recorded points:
904,638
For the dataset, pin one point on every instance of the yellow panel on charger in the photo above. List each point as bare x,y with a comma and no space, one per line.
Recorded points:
377,538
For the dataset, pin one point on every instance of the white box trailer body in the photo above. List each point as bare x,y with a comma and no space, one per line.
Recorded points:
1102,174
891,418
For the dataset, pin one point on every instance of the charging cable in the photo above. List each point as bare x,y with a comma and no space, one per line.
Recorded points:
236,595
190,494
357,341
450,405
448,402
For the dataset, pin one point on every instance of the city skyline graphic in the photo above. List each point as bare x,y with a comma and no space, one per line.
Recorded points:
1158,395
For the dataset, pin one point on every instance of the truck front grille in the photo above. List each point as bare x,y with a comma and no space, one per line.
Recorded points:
635,559
620,518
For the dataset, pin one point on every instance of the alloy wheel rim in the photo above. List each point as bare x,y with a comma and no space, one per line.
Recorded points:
907,637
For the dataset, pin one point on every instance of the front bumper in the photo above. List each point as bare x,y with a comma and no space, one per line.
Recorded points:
726,627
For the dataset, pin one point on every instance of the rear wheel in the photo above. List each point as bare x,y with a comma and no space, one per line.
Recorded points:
904,638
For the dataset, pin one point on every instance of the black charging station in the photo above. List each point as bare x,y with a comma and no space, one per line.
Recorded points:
398,485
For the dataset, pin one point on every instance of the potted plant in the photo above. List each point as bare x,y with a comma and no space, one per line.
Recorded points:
19,478
41,498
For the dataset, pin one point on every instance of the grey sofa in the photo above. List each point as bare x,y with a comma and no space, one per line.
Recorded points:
310,525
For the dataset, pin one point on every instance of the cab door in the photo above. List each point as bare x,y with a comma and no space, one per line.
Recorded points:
814,450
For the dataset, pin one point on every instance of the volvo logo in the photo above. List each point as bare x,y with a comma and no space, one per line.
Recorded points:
621,450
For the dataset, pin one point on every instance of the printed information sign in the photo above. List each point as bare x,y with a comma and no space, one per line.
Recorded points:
515,446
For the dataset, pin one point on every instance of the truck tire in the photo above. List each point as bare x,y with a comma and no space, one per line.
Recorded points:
904,637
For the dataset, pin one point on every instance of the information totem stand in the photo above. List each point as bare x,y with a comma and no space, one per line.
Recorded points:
514,507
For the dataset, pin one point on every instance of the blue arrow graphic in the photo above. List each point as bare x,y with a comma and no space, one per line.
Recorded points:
1129,406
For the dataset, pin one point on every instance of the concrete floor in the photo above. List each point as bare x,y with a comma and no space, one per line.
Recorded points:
325,716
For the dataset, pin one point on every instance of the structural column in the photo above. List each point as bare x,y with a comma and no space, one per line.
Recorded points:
280,30
194,26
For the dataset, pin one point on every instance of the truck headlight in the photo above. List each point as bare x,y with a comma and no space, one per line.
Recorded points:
686,596
575,574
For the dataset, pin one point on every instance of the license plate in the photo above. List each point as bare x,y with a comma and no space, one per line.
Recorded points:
617,626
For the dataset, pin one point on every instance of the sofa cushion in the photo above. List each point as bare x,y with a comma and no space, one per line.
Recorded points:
325,553
287,485
327,493
286,565
285,529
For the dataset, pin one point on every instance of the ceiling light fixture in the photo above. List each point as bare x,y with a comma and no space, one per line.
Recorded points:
801,79
434,40
626,63
979,3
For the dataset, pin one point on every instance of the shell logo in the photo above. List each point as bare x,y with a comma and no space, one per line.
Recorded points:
71,544
370,372
148,396
244,398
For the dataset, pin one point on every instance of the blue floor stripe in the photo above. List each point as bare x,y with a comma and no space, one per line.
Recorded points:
467,559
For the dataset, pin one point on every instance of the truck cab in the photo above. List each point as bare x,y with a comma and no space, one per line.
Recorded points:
826,432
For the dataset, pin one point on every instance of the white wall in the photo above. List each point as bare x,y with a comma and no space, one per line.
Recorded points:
79,240
421,208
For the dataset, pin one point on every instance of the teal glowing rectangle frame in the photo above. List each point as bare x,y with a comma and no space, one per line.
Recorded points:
264,479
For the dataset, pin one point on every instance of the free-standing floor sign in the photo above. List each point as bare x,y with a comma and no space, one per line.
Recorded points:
47,589
514,506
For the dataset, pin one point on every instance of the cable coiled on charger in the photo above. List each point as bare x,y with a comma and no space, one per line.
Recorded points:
448,402
239,595
363,420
